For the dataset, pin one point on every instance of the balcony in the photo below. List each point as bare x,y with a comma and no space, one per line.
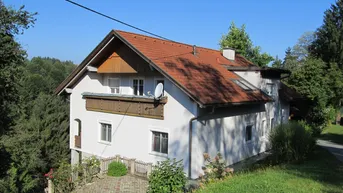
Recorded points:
139,106
77,141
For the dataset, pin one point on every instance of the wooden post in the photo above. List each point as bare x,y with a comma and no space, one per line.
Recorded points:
50,186
149,170
117,158
132,166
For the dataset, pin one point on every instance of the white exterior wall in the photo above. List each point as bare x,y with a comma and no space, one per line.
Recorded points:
131,136
224,132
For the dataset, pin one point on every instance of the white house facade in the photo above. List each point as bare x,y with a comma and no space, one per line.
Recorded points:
212,102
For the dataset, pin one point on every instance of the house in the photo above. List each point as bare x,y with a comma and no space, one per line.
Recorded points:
212,102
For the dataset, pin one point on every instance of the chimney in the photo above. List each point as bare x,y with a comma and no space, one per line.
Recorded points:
229,53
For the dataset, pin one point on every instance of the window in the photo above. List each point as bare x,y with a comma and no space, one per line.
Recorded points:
114,84
272,123
160,81
270,89
248,133
244,84
106,132
160,142
138,87
263,128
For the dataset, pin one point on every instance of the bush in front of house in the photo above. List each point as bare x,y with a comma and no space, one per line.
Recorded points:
215,169
116,169
167,176
292,141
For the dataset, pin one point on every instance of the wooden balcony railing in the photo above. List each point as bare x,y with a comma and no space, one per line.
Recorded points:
77,141
126,105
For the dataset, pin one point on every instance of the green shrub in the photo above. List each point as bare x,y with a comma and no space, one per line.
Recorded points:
89,168
291,142
215,169
62,178
116,169
167,176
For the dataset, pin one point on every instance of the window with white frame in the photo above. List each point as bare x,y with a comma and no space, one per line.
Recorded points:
138,86
270,89
272,124
105,132
248,133
263,128
160,81
159,142
114,84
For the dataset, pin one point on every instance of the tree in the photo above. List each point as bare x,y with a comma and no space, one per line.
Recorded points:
290,61
40,142
329,37
277,63
12,23
301,48
238,39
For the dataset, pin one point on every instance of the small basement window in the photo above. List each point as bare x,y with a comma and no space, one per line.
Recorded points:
248,133
244,84
160,142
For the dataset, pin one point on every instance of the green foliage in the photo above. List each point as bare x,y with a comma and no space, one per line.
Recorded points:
290,61
322,172
291,142
12,56
329,37
116,169
277,63
90,167
166,177
238,39
62,178
215,169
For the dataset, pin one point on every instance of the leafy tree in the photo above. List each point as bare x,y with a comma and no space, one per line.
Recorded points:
329,37
277,63
238,39
12,23
301,48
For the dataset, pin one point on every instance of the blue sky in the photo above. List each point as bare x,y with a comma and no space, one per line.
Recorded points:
67,32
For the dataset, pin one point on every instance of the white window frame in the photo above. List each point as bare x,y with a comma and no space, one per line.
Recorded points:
132,89
109,87
245,132
151,152
99,132
155,84
271,92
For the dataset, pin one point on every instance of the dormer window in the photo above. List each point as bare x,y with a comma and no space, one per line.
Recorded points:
244,84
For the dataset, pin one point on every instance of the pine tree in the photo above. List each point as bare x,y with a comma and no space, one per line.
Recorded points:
328,44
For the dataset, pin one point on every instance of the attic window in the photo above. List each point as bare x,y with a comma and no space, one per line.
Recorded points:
244,84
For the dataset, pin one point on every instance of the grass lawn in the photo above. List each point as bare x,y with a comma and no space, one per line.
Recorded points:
322,173
333,133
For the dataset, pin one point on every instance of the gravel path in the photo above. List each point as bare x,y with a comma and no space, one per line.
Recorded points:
335,149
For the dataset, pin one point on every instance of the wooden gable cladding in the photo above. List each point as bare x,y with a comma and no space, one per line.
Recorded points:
132,106
115,64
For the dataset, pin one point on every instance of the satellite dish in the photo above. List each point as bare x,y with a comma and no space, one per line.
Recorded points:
158,91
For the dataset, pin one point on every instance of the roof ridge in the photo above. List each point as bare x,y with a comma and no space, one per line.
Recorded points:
171,41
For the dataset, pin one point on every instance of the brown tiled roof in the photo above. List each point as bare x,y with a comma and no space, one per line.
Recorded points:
202,75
